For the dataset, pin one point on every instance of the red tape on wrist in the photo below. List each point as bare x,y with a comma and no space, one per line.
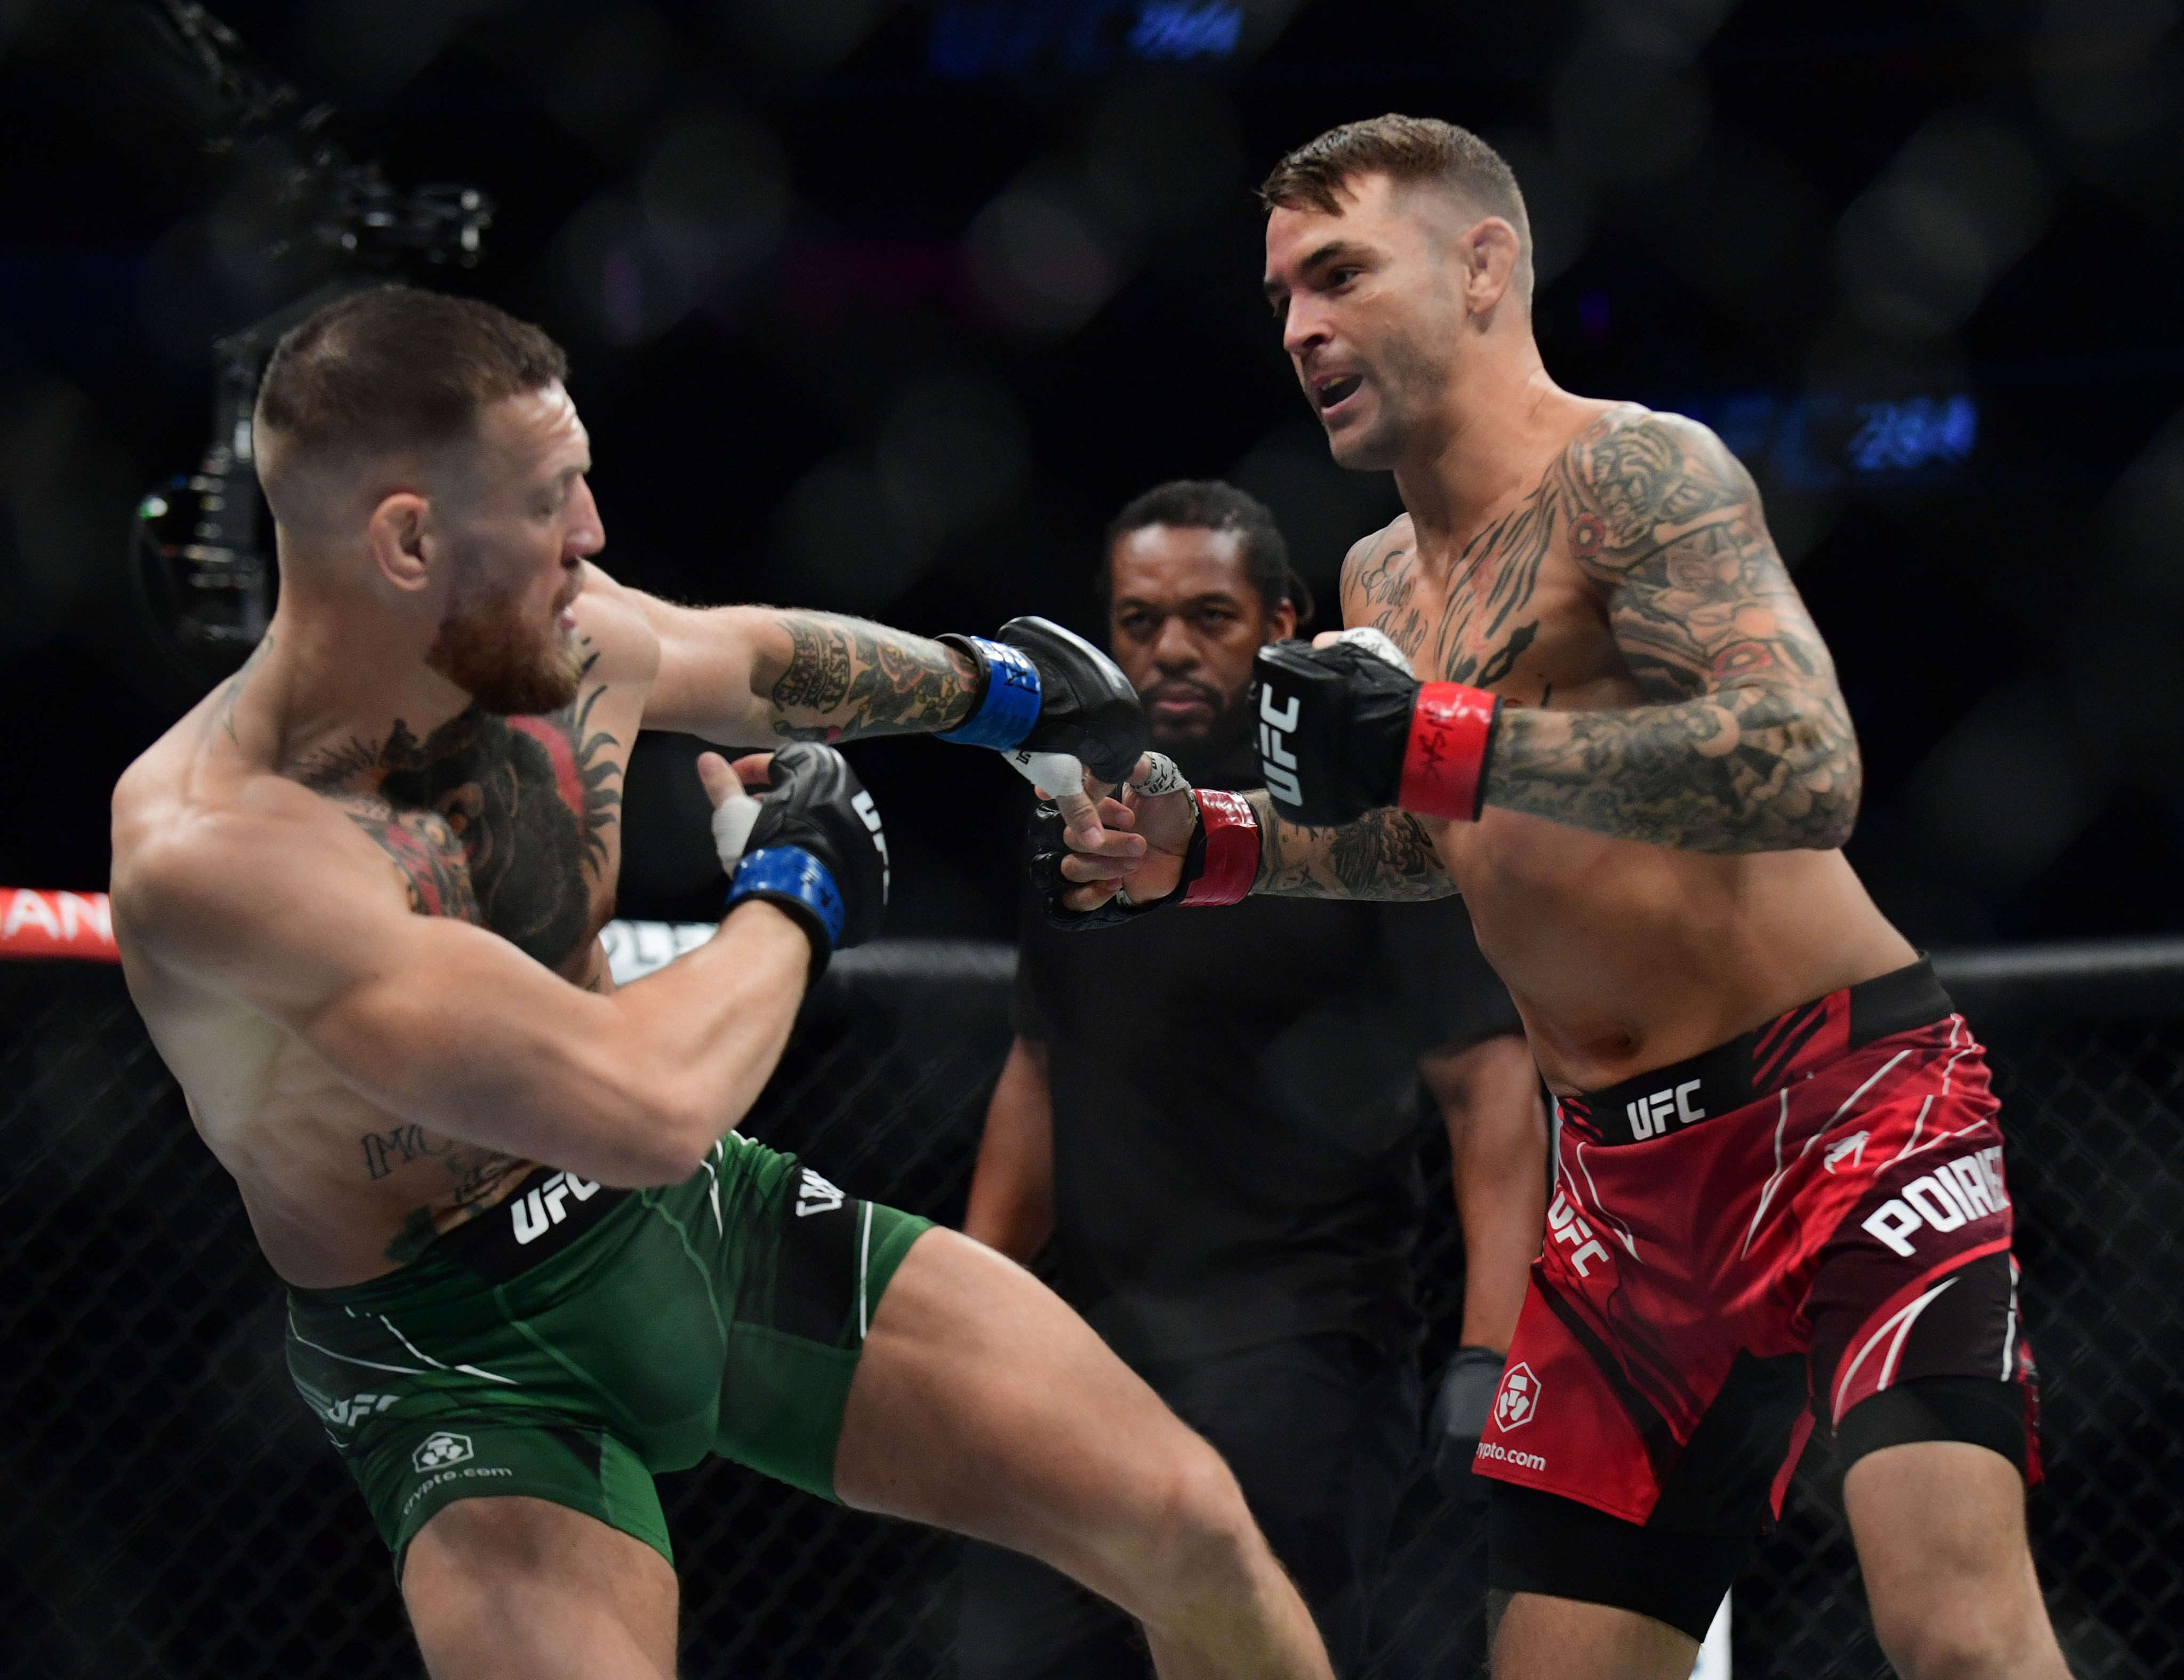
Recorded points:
1232,849
1444,760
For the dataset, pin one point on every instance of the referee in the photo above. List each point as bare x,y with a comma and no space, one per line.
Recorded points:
1235,1202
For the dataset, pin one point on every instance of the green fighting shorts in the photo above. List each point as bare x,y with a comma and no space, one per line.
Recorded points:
573,1340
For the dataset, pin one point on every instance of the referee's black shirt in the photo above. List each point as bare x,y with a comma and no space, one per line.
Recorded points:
1238,1117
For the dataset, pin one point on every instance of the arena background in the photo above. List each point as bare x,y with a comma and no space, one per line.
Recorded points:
886,308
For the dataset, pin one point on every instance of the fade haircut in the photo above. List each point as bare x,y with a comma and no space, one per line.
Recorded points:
397,368
1411,151
1210,504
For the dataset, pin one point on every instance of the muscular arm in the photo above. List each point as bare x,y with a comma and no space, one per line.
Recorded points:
1383,855
1747,745
1012,1206
286,909
756,676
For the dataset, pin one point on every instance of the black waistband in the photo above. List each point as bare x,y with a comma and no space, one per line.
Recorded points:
544,1214
1759,1063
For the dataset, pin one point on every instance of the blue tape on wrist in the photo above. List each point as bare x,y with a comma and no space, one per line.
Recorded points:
1009,705
793,873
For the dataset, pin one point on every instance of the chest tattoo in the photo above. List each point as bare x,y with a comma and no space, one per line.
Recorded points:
502,821
1484,624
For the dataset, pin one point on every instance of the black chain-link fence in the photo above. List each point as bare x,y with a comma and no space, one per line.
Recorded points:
168,1508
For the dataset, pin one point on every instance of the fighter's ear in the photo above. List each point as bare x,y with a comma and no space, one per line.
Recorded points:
395,537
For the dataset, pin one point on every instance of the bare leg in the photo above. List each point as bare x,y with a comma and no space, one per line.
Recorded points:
1940,1526
524,1590
983,1404
1545,1639
1497,1133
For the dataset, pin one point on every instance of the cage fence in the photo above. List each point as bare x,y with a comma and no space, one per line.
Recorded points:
169,1510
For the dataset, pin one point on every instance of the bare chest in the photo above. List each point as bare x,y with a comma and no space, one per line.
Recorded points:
1512,612
510,823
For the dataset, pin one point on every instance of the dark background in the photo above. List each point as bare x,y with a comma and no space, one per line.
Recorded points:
886,308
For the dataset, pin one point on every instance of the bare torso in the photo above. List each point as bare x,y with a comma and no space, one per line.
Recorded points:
508,823
1621,956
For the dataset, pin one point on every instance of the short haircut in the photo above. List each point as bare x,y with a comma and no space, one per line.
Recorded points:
1410,151
395,368
1210,504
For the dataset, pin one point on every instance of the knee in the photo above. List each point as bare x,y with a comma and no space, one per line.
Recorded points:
1201,1536
1958,1637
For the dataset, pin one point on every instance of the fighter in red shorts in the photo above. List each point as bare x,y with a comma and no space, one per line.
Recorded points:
1781,1195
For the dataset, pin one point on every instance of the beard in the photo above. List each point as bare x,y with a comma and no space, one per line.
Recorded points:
1411,374
1217,755
502,661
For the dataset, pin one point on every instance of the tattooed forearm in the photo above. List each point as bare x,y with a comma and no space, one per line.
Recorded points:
846,678
1747,746
1744,770
1383,855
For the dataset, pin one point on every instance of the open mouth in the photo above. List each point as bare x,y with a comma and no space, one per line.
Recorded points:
1330,392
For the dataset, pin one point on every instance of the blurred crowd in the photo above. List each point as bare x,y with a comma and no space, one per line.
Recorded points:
885,308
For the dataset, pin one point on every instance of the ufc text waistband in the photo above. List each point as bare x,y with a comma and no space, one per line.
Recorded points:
545,1214
1759,1063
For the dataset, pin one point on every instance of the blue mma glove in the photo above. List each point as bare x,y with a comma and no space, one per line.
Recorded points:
1045,692
816,849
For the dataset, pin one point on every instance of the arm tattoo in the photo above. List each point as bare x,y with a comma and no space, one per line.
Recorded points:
1745,745
1383,855
847,678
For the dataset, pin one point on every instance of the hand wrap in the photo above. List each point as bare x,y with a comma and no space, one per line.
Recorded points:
817,850
1219,867
1048,692
1342,731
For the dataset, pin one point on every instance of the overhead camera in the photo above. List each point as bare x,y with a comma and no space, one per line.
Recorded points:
204,575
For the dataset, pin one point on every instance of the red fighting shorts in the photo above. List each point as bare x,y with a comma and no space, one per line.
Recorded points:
1787,1225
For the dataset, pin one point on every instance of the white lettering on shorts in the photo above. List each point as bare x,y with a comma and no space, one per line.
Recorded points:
1967,1188
1649,1115
431,1482
1567,1225
537,1212
1501,1454
353,1410
813,1194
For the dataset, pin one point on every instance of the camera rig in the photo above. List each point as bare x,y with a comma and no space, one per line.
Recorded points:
204,573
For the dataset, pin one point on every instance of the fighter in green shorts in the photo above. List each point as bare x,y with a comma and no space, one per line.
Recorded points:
357,891
569,1362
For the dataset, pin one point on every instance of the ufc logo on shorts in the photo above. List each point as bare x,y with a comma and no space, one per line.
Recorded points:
1276,764
1649,1115
541,1210
1967,1188
1565,1224
862,804
813,1194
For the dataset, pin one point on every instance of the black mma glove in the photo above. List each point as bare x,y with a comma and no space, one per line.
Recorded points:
1346,729
1459,1415
1219,868
1046,690
816,849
